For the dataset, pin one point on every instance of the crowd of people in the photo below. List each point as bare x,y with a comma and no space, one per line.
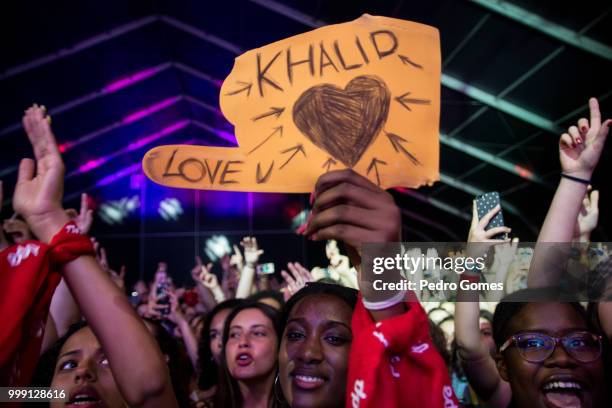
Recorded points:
316,339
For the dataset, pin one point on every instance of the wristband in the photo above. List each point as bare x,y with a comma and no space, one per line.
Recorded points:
576,179
69,244
384,304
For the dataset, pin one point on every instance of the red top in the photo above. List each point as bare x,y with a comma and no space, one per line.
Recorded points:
394,363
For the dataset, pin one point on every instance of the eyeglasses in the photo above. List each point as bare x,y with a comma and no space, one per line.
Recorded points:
537,347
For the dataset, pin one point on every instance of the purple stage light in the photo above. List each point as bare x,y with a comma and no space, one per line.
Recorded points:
123,82
118,175
150,109
92,164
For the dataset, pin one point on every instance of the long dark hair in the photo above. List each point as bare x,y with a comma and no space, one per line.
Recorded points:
228,394
207,366
179,366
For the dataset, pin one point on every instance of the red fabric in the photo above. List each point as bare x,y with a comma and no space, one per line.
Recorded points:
393,363
29,274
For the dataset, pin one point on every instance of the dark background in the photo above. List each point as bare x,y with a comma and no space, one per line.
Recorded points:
69,55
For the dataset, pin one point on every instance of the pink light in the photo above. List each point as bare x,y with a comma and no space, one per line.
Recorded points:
64,146
92,164
227,136
116,176
523,172
123,82
149,110
148,139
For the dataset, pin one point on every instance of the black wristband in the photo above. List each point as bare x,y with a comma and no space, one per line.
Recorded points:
576,179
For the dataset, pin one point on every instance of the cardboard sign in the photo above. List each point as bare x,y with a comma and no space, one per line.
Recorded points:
363,94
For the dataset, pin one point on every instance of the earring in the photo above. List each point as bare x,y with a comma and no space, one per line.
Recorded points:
280,399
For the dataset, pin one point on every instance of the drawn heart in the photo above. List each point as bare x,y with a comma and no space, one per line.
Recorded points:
344,122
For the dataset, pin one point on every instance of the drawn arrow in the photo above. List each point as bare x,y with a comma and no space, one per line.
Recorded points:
297,148
407,60
396,142
328,164
404,101
276,129
263,178
274,111
374,165
247,88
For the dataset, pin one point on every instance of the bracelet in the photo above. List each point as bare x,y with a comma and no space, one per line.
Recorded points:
576,179
384,304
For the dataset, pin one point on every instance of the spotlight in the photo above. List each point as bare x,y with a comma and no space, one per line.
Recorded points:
170,209
115,212
217,247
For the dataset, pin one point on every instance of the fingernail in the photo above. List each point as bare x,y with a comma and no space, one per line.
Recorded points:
301,228
578,140
583,128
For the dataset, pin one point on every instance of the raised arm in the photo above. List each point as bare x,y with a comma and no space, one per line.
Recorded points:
247,277
477,363
350,208
579,152
136,362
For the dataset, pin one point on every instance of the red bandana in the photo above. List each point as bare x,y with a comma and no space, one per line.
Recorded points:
393,363
29,274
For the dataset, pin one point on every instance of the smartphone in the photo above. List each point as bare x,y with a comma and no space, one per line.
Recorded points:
484,204
161,290
265,269
135,298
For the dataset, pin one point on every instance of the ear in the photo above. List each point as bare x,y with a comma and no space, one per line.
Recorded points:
501,366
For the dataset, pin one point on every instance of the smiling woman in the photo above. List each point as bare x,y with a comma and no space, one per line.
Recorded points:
549,355
315,346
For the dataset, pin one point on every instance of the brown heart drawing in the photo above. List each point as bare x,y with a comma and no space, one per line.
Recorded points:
344,122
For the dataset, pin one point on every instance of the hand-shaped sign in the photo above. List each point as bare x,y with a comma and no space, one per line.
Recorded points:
363,94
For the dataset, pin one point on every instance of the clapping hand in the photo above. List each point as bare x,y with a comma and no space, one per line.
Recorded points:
40,183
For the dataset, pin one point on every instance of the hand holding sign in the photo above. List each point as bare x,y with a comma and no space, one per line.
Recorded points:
363,95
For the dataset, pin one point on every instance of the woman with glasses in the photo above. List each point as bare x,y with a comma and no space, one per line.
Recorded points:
548,354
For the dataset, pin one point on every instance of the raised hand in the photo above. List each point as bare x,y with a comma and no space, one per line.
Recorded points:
85,217
349,207
40,184
176,314
118,278
251,251
197,269
236,259
207,278
588,216
580,148
477,228
295,280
